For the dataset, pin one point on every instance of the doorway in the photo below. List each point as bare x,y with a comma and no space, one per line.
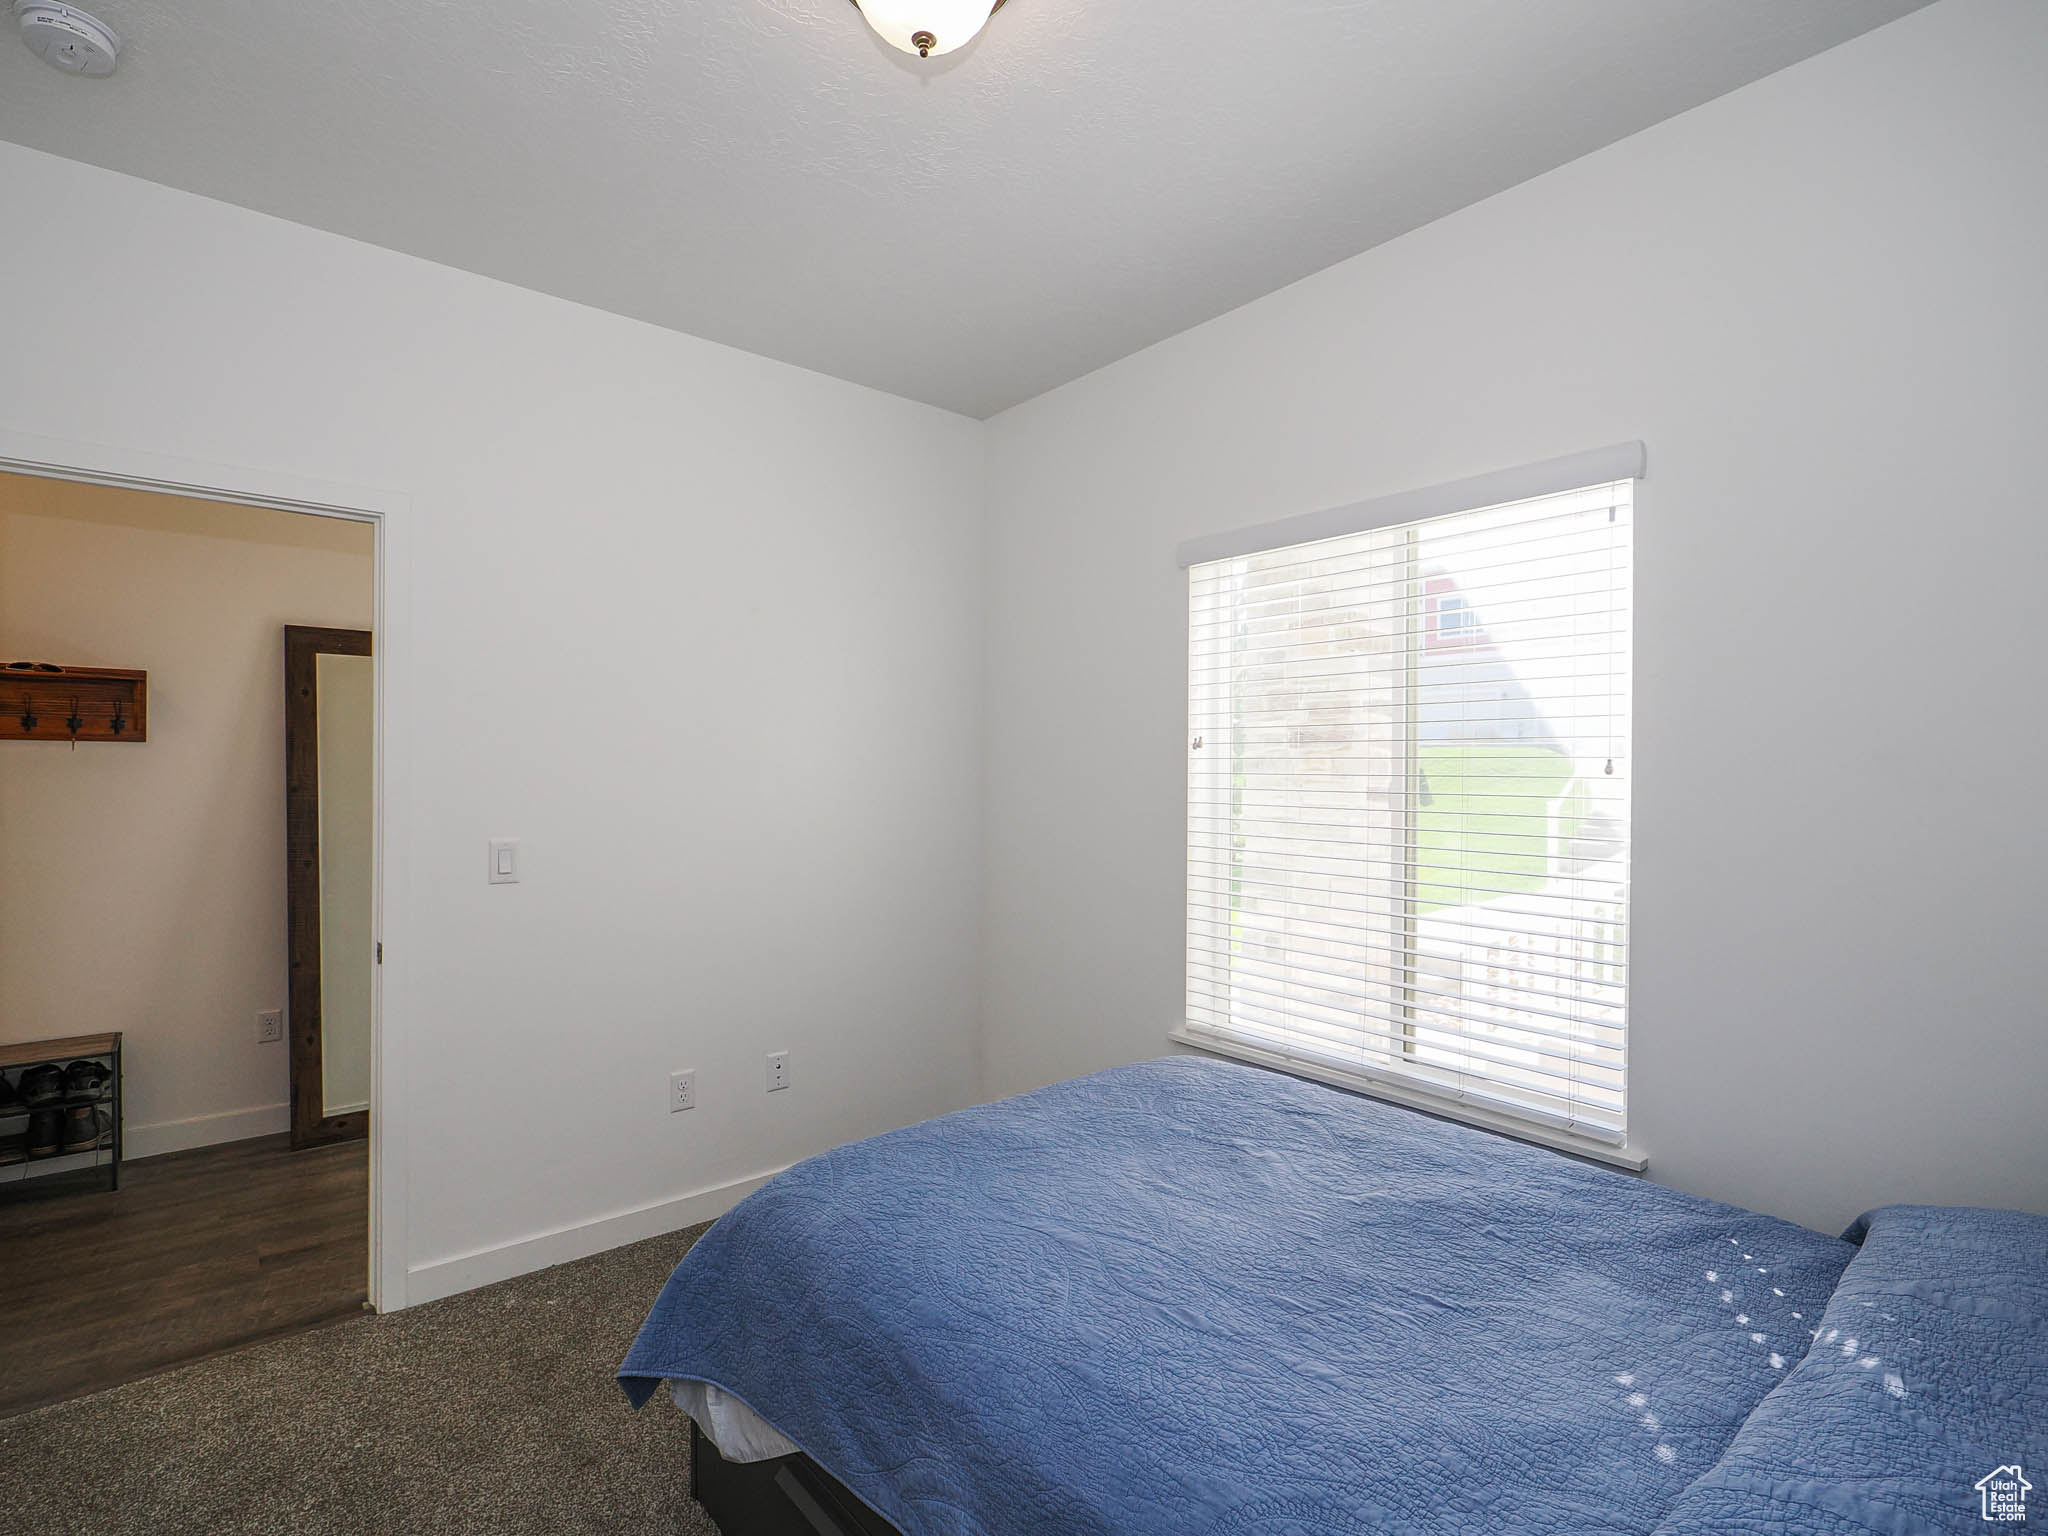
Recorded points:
145,905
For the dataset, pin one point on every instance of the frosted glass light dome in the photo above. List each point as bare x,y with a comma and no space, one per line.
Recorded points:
927,27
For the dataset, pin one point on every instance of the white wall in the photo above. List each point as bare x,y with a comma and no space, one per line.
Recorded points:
1820,301
142,887
700,629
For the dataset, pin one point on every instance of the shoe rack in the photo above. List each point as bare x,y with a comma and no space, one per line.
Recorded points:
16,1113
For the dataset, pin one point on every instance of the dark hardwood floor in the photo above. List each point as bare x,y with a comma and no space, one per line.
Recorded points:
196,1253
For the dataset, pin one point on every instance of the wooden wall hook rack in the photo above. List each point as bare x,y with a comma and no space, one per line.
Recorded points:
40,701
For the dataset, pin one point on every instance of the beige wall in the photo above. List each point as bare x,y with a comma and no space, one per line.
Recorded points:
142,887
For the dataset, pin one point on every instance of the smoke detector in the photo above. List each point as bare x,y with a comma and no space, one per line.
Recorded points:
76,42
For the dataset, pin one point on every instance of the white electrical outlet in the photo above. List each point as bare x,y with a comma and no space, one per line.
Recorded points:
778,1070
682,1091
269,1026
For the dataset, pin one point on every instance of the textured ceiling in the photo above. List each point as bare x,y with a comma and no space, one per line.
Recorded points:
1087,177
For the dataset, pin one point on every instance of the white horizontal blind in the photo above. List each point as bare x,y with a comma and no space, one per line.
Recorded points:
1408,807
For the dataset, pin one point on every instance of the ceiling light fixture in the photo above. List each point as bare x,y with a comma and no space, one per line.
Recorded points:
71,39
926,27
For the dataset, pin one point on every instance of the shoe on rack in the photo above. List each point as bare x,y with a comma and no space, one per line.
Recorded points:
13,1148
45,1132
83,1128
41,1084
85,1078
10,1101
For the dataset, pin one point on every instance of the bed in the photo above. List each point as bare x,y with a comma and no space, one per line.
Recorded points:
1189,1296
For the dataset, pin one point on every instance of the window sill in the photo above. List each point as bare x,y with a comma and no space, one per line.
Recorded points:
1623,1157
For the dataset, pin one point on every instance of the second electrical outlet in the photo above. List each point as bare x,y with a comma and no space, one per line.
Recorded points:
778,1070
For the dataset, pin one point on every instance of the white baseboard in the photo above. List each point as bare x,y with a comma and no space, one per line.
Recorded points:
466,1271
204,1130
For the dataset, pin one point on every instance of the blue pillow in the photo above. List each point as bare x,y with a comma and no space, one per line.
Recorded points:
1922,1400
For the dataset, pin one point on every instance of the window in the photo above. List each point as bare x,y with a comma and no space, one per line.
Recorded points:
1408,806
1454,620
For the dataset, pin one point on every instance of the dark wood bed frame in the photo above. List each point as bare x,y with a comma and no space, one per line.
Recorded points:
789,1496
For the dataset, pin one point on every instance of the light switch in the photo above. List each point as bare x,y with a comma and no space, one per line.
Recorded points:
504,861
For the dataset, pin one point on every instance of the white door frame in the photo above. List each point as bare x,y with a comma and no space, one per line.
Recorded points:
389,515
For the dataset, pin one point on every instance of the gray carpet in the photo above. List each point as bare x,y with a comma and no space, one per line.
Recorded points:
490,1412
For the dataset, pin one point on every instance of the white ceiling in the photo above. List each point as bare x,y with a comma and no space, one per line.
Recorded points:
1087,177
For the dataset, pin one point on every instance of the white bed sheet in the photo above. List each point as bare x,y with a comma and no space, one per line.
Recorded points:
739,1433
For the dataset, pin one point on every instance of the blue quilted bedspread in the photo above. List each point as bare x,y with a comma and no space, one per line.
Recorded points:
1188,1296
1928,1375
